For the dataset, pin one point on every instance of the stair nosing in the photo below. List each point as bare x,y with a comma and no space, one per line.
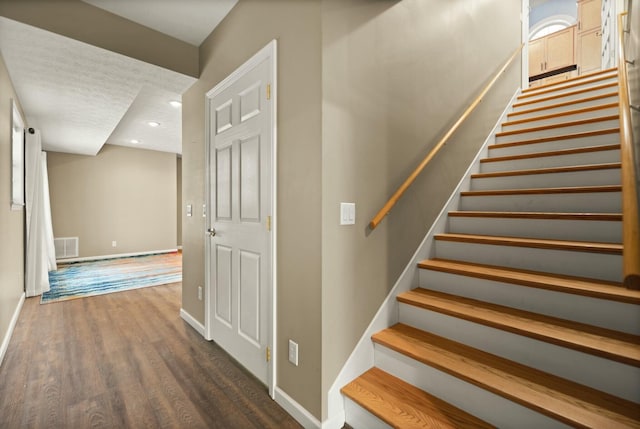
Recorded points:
527,386
563,104
561,332
582,134
567,84
559,125
534,243
559,152
594,288
611,217
565,94
548,170
583,77
542,191
413,398
561,114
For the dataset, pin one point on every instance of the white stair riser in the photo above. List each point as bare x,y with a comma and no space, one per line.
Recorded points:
567,262
599,140
547,100
588,202
359,418
612,377
586,158
560,131
524,112
609,176
567,86
474,400
593,311
561,119
557,229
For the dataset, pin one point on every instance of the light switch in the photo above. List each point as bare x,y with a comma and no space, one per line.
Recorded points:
189,210
347,213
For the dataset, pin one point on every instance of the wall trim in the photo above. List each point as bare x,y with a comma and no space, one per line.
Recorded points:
297,411
192,321
14,319
362,357
117,255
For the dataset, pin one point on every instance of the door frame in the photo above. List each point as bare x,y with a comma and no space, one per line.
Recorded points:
269,52
524,19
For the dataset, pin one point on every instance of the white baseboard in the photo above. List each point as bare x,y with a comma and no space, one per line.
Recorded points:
199,327
12,325
361,357
297,411
116,255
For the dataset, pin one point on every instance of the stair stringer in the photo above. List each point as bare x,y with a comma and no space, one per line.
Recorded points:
362,356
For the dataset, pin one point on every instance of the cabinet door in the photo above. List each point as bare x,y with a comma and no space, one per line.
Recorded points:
589,55
560,52
589,14
536,57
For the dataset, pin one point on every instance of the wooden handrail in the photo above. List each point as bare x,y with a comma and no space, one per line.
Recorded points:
630,233
384,211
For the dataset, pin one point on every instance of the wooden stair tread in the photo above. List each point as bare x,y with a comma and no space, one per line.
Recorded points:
602,289
610,344
559,152
559,125
563,104
404,406
558,86
537,243
548,170
542,191
613,72
559,398
578,135
561,114
616,217
566,94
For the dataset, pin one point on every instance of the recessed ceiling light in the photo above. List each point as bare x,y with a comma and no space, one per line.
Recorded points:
175,103
153,123
134,141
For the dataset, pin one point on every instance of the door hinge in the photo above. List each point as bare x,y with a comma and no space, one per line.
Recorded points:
268,91
268,354
268,223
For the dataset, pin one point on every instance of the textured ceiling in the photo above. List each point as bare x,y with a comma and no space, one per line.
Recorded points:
77,94
188,20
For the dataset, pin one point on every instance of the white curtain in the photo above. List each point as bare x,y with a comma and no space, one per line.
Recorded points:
40,258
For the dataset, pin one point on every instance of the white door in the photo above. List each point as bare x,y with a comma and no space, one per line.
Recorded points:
240,169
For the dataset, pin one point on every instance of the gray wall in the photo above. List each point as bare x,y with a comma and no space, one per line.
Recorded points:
551,8
11,222
248,28
122,194
395,76
633,53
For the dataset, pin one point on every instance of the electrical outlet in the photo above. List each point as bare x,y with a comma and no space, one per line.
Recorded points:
293,352
113,243
199,293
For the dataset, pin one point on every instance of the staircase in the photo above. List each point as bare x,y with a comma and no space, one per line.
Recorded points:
521,320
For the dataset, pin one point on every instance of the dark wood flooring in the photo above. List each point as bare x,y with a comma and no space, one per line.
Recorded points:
125,360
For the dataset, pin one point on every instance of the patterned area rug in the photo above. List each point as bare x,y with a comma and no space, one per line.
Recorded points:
82,279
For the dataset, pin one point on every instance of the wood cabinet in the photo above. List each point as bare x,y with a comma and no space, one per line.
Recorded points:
552,52
589,36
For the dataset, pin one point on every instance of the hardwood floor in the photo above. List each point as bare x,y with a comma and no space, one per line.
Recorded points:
125,360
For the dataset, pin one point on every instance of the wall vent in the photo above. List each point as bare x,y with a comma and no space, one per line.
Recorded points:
66,247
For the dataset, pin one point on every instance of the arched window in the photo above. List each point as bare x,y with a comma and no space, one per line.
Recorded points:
550,25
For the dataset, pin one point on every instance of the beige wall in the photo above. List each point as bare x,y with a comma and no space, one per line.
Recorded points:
633,70
89,24
122,194
248,28
11,222
396,74
179,201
